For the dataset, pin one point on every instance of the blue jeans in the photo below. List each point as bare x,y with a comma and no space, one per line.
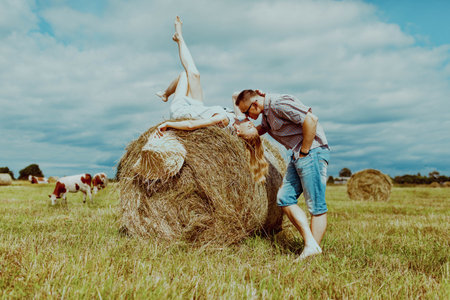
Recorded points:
306,175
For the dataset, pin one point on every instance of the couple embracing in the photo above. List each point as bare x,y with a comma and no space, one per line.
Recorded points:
284,117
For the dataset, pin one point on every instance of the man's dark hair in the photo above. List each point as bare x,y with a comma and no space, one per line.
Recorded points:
244,95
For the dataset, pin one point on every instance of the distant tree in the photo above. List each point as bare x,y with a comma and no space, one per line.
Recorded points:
345,172
330,180
434,174
7,170
442,179
32,169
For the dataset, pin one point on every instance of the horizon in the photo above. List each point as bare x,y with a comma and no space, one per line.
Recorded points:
79,77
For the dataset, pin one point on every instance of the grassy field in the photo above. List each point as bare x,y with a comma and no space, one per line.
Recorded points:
395,249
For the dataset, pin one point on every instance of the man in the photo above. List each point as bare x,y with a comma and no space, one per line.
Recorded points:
293,125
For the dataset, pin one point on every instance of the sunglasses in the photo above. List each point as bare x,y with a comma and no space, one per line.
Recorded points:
247,111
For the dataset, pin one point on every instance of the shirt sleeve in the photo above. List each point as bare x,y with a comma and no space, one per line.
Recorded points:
290,108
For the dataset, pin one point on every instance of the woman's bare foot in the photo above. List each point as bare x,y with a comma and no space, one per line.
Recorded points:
178,25
162,95
176,37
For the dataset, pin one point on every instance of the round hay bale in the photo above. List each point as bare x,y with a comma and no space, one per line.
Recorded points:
212,199
434,185
53,179
5,179
369,184
446,184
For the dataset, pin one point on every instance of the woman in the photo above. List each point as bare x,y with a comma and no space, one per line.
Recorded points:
188,104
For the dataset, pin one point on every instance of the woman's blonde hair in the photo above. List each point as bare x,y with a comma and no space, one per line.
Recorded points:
258,163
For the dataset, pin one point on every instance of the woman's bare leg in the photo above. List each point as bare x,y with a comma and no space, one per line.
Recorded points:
182,88
164,95
193,75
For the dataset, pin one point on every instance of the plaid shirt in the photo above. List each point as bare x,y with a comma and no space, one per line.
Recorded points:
283,117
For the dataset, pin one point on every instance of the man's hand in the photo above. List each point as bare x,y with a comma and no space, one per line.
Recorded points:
234,96
260,93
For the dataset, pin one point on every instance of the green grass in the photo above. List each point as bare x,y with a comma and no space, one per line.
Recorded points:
376,250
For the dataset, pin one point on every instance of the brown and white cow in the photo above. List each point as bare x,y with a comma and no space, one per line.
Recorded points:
37,180
72,184
99,181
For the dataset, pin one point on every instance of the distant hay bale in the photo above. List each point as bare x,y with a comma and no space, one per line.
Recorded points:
212,198
434,185
53,179
446,184
369,184
5,179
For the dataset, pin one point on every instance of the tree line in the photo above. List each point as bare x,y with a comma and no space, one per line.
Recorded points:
32,169
420,179
434,176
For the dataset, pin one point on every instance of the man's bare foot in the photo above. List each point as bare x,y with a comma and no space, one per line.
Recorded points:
309,251
178,25
162,95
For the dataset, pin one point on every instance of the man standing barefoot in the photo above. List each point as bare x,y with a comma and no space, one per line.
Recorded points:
293,125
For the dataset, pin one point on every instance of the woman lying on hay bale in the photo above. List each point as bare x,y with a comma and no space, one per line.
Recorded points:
188,104
196,183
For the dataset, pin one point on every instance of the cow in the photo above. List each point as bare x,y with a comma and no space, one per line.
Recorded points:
37,180
72,184
99,181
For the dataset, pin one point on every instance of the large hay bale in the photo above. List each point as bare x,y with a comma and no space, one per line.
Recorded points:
446,184
5,179
369,184
213,199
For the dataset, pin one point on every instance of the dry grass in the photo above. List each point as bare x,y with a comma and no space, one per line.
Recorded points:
372,250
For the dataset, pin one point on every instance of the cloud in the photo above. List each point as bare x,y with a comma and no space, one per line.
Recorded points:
77,90
16,16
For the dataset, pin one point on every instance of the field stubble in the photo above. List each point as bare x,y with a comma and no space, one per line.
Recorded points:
395,249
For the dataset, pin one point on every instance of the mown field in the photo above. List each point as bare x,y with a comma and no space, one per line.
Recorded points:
376,250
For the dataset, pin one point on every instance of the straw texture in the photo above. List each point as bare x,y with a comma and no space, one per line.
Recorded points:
369,185
211,199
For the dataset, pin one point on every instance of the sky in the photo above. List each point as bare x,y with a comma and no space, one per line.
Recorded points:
78,78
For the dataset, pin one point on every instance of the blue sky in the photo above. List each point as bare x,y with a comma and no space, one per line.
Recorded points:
77,78
426,20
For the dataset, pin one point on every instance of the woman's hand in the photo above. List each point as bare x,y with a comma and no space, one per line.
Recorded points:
161,128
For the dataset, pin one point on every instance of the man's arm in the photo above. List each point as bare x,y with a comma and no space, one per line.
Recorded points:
261,130
309,131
